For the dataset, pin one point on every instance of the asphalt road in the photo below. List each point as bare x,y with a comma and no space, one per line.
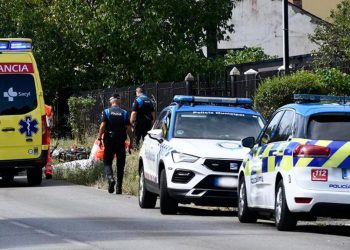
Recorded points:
58,215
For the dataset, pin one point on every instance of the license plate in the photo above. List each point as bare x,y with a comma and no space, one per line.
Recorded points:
226,182
319,174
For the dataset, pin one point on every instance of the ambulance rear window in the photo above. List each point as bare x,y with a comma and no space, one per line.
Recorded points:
17,94
329,127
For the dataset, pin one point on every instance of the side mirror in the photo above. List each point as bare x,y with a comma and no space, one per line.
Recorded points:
156,134
248,142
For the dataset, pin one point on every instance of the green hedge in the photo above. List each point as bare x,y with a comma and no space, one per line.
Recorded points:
278,91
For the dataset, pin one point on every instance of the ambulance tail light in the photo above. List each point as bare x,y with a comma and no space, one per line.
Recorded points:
45,140
311,151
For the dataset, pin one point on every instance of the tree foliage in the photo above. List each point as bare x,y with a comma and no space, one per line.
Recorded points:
102,43
334,38
252,54
79,117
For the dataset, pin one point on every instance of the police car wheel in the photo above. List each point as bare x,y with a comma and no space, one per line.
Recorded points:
167,204
244,214
146,198
284,219
34,176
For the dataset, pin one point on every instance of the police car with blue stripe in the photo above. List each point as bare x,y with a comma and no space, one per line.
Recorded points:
193,152
299,166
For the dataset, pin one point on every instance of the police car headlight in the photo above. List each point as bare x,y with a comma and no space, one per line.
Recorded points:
180,157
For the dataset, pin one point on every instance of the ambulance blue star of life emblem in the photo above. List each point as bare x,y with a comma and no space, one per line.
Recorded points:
28,126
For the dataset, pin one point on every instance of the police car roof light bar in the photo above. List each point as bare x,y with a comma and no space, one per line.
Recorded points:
20,44
4,45
212,100
309,98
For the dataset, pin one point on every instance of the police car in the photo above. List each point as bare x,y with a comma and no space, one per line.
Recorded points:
23,141
193,152
299,166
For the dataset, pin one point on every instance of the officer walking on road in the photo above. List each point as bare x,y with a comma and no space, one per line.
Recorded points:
142,116
114,129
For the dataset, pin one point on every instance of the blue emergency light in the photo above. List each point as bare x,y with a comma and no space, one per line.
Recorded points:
302,98
4,45
9,44
212,100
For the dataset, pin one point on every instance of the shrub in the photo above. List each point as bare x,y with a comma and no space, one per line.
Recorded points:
253,54
79,116
278,91
336,82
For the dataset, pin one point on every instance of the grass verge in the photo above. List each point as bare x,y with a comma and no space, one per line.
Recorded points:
93,174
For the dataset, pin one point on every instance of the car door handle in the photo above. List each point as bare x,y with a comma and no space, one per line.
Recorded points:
8,129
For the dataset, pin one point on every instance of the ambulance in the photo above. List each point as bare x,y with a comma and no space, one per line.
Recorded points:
23,144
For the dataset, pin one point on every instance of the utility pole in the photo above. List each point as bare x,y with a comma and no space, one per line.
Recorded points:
285,37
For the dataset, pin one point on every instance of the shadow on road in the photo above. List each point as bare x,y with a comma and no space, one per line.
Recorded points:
338,230
200,211
21,181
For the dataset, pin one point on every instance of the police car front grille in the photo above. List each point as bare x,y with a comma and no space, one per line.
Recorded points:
227,166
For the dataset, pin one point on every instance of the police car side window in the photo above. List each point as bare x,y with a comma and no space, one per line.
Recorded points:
270,131
285,127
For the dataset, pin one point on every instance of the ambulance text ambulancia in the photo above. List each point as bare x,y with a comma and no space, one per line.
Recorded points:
299,166
193,152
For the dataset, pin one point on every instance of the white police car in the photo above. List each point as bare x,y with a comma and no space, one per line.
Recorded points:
299,166
193,152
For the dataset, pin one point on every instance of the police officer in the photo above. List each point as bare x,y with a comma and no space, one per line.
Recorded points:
114,128
142,115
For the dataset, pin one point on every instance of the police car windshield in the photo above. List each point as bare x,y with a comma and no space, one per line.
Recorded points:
17,94
329,127
216,125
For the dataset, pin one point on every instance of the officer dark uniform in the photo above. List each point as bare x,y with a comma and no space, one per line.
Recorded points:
142,116
114,128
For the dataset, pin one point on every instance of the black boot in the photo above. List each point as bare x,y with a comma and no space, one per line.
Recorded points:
111,184
119,189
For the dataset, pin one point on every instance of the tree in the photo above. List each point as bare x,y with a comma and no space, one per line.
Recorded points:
334,38
84,45
253,54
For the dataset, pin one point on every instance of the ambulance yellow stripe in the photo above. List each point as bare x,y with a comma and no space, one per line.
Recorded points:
338,157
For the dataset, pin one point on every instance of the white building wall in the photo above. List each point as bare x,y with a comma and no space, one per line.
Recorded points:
258,23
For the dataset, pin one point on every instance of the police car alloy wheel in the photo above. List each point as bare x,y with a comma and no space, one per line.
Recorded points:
244,214
167,204
146,198
284,219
